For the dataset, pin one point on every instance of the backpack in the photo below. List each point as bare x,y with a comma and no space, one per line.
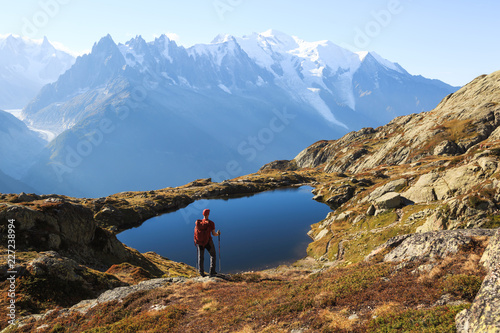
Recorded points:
202,232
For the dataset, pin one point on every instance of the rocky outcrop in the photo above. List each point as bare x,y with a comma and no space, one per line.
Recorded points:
392,186
52,224
451,182
424,246
282,165
68,229
340,195
71,236
120,293
447,147
113,294
436,221
484,314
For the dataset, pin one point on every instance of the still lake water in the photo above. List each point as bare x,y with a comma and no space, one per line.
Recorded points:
259,231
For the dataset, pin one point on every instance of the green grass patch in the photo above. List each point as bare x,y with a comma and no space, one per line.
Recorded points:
493,222
317,248
351,282
413,209
439,319
464,286
381,220
357,249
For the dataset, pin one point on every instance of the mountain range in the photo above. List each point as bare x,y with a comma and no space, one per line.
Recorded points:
141,115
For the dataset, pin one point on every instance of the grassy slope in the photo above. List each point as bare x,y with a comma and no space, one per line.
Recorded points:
365,297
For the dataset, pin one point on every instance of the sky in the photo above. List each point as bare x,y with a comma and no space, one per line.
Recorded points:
453,41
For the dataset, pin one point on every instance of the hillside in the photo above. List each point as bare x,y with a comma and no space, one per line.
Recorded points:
412,243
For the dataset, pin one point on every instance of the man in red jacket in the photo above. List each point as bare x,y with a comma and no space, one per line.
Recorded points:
203,232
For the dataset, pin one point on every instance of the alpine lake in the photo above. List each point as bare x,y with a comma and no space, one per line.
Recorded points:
260,231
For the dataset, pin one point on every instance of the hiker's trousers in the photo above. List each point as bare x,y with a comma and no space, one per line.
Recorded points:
201,257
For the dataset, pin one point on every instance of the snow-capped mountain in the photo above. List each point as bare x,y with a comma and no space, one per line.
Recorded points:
27,65
143,115
318,74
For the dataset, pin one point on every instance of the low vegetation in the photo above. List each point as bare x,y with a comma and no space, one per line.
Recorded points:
365,297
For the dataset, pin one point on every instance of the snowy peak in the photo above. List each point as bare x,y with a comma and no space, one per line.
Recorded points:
104,45
269,42
134,51
26,65
270,47
165,47
46,44
221,48
278,40
364,55
222,38
41,49
306,69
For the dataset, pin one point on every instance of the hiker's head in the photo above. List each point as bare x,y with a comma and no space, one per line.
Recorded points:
206,212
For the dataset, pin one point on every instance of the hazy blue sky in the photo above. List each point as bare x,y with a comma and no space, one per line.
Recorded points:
453,41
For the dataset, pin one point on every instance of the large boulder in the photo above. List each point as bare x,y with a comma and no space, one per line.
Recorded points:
433,223
447,147
340,195
392,186
389,200
423,189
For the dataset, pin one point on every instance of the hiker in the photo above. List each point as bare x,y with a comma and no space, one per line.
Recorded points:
203,232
